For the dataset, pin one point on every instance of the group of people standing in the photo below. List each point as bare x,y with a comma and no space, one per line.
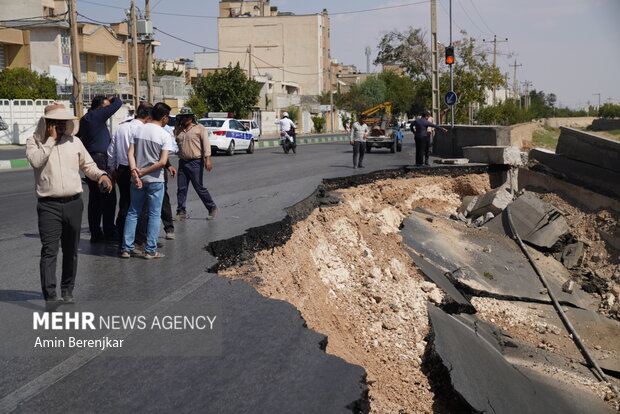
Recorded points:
136,159
422,131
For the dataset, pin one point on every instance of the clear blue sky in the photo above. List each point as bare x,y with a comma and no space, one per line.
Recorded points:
568,47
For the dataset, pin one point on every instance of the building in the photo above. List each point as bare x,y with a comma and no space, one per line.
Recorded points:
14,48
281,47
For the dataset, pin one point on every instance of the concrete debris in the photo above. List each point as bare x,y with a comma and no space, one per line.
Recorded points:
568,287
493,155
489,383
452,161
468,204
572,255
537,222
494,201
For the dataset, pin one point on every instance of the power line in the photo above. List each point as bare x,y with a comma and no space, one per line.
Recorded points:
95,21
470,19
479,15
27,19
448,13
380,8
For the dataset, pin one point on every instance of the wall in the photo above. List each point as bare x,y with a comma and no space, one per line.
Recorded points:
604,124
580,122
45,48
521,134
450,144
290,48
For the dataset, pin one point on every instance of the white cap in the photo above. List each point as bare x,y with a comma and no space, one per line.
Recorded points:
285,114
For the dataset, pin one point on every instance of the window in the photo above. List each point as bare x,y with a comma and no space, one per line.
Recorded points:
2,58
121,58
122,78
65,43
100,69
83,66
212,123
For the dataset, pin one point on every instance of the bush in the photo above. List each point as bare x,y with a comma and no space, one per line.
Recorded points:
319,124
293,114
609,111
22,83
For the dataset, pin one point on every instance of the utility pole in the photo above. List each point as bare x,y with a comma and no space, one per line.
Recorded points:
434,63
367,51
78,97
599,100
495,42
527,85
134,56
451,75
250,61
331,98
149,53
515,84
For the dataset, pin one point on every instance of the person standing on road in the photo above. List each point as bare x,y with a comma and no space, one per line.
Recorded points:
288,126
57,157
194,157
148,155
119,164
359,133
95,135
420,127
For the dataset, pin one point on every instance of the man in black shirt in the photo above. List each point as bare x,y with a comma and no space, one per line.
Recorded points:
419,127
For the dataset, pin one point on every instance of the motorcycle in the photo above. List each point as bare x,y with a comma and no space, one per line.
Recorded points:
288,142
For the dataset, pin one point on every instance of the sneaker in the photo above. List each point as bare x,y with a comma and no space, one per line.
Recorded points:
212,213
360,166
125,255
170,236
68,298
153,255
181,215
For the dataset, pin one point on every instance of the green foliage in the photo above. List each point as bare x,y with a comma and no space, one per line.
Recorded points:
22,83
293,114
400,90
346,119
367,94
225,90
609,111
198,105
319,124
546,139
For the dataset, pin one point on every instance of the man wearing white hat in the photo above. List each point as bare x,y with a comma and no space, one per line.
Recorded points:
57,157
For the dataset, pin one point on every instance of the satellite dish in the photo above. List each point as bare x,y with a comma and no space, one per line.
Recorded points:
269,76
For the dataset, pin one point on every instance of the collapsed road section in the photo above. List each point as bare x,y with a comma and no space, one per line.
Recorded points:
437,304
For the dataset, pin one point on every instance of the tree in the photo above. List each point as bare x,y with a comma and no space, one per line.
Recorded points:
400,90
22,83
472,72
367,94
609,111
225,90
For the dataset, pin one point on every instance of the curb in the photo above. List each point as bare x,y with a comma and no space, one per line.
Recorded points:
9,164
303,141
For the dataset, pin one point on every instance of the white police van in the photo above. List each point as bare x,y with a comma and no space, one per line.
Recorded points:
227,134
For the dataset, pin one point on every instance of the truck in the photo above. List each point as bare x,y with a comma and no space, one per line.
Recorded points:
382,133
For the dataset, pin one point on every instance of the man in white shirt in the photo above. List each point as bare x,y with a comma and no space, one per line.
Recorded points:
148,155
288,126
118,163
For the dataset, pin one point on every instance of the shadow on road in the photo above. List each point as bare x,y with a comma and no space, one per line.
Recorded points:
22,298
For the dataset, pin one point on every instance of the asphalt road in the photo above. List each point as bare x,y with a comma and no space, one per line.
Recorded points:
259,356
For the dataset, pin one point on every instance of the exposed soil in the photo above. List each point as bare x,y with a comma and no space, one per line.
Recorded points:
344,267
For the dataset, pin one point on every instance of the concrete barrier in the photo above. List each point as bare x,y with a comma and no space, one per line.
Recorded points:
589,148
604,124
576,122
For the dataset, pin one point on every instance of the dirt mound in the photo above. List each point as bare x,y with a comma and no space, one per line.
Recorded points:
344,268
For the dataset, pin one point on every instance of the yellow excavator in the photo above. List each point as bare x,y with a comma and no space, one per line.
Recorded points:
381,135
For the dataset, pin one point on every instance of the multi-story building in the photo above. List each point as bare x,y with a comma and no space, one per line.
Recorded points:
281,47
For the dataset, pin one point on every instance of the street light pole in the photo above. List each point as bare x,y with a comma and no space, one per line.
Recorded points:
78,97
451,76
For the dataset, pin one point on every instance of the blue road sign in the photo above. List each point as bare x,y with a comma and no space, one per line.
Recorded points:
450,98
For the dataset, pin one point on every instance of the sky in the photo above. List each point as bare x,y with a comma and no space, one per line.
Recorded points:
567,47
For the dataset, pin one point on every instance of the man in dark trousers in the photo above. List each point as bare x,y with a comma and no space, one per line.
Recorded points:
422,137
194,157
95,135
57,158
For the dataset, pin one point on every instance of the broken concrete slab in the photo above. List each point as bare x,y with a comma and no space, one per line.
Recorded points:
452,161
537,222
486,381
592,177
494,201
589,148
488,154
572,254
468,204
455,301
502,272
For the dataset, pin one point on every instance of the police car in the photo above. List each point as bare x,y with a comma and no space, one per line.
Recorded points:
228,134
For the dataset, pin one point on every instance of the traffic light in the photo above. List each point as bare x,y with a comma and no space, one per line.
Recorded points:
449,55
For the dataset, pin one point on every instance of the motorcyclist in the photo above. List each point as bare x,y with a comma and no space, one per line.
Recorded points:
287,126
